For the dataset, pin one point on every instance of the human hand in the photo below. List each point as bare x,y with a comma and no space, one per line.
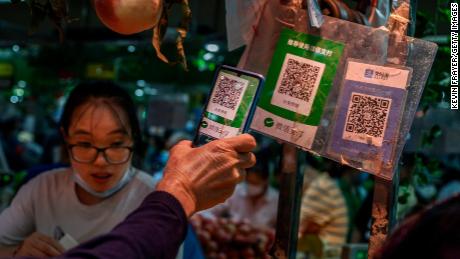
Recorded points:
205,176
39,245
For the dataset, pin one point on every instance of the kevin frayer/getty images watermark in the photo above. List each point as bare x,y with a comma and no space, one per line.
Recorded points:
454,56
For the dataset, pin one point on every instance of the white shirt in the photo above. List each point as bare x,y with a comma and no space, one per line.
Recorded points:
49,201
241,208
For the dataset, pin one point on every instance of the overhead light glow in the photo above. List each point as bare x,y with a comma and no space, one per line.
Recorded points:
14,99
19,92
140,83
16,48
131,48
151,91
211,47
22,84
201,65
208,56
139,92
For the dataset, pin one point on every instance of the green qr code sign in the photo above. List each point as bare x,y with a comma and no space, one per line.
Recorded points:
297,86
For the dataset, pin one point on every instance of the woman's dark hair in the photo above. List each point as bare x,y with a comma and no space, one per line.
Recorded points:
114,94
260,168
432,234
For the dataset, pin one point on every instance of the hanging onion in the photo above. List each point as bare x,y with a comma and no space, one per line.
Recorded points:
133,16
129,16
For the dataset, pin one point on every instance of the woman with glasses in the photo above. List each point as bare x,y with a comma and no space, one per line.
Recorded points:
101,187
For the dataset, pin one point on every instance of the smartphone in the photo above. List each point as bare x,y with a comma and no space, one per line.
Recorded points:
230,105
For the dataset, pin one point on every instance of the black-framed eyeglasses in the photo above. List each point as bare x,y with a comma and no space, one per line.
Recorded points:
87,154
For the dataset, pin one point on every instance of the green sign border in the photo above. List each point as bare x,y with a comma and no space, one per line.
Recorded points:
331,63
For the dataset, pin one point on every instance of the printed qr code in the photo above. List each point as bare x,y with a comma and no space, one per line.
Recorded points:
228,92
367,115
299,80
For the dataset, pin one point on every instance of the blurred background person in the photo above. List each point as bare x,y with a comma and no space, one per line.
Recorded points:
324,217
254,201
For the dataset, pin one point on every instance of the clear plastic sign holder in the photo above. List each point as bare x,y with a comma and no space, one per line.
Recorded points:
377,46
380,48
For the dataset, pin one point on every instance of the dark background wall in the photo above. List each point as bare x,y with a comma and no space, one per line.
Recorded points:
208,17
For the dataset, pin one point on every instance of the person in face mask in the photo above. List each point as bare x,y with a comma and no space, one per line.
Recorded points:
101,133
254,200
256,184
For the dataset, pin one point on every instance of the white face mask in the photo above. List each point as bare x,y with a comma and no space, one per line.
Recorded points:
254,190
127,176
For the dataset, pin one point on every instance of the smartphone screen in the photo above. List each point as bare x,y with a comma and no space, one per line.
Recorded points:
230,105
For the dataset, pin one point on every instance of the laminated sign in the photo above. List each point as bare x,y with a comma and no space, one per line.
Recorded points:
368,114
344,91
297,85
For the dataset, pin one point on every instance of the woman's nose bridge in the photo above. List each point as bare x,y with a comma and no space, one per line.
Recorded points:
101,157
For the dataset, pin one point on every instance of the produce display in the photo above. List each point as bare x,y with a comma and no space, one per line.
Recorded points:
224,238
